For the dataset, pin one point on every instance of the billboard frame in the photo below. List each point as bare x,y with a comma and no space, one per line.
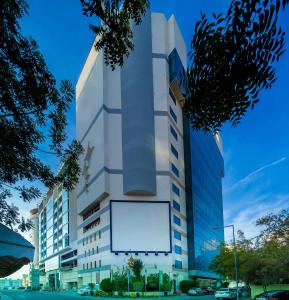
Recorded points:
139,201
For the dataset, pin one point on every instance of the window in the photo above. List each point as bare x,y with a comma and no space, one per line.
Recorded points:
92,251
85,253
174,133
177,220
91,265
177,235
176,205
91,238
83,267
175,170
178,264
95,263
86,265
178,249
90,226
95,236
94,209
174,151
96,249
173,115
99,234
100,263
175,189
89,252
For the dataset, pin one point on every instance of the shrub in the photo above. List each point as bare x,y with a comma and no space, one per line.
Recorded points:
138,285
100,293
106,285
166,286
120,280
153,282
185,285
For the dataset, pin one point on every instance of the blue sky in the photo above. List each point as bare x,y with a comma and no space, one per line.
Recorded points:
256,152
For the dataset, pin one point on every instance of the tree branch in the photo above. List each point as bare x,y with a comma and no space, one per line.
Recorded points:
25,113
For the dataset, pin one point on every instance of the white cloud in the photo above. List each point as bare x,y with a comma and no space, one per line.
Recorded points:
245,219
253,175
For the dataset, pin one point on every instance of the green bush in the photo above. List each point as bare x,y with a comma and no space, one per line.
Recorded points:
106,285
185,285
153,282
138,285
100,293
166,286
120,280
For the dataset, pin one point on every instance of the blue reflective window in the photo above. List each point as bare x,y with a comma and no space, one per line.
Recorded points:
175,189
177,220
175,170
174,133
178,249
176,205
174,151
177,235
174,116
178,264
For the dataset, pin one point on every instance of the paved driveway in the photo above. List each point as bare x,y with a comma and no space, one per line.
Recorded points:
25,295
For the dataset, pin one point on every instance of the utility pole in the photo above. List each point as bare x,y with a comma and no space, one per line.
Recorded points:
235,255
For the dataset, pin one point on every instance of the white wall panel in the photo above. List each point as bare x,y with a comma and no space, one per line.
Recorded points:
140,226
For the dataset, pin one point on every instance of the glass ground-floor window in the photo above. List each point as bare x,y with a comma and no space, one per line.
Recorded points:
178,264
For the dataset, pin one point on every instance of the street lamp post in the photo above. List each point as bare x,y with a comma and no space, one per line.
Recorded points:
235,255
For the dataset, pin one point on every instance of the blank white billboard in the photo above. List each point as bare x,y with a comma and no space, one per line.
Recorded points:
140,226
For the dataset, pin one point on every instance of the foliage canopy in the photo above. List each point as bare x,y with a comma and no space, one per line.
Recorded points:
232,57
32,116
262,260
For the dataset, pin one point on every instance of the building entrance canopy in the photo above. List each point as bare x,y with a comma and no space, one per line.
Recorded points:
15,251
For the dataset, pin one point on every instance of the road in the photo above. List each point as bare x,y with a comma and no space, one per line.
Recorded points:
25,295
29,295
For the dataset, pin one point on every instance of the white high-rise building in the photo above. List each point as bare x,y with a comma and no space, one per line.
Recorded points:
57,239
135,197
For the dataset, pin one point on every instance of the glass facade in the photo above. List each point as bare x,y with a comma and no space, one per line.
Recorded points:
204,198
204,168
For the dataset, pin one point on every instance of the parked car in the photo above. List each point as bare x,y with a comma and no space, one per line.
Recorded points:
195,292
208,291
273,295
85,290
225,293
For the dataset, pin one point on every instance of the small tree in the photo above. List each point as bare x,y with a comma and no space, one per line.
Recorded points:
91,286
153,282
120,280
106,285
138,284
137,267
166,286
